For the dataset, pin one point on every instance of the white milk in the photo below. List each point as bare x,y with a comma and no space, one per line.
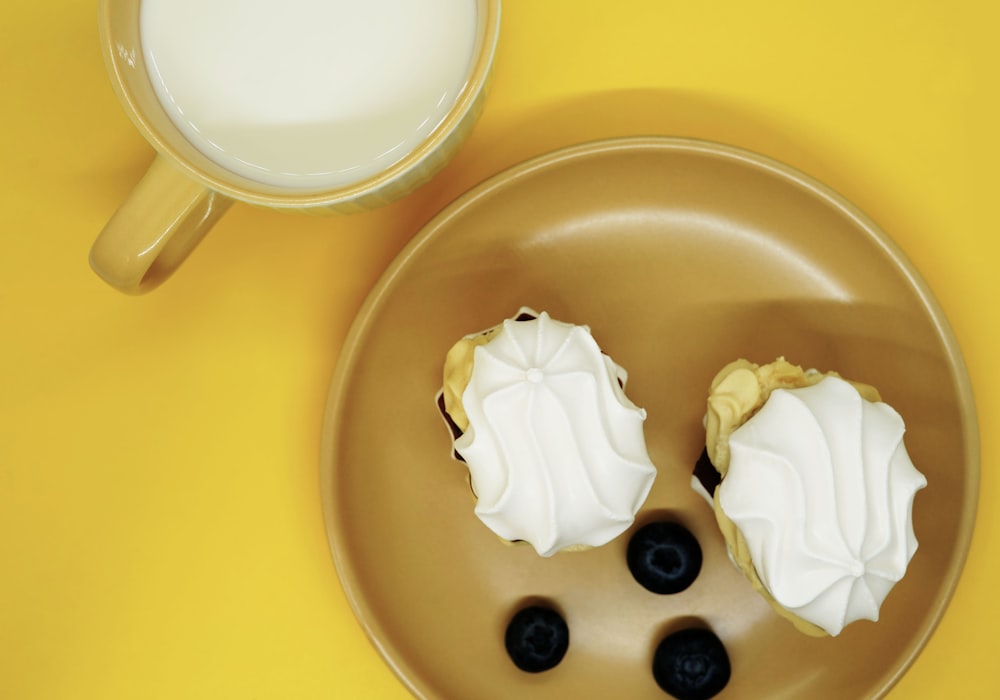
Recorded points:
307,94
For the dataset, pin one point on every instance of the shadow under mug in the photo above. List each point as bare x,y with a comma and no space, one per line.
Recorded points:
184,192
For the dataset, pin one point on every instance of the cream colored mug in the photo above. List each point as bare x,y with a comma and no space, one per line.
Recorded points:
244,104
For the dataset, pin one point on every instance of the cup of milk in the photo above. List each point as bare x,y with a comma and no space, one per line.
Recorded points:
305,105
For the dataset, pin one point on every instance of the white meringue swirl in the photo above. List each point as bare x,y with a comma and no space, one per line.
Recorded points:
821,487
555,449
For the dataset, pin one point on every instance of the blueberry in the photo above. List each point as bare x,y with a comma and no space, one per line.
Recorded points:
706,473
664,557
537,638
691,664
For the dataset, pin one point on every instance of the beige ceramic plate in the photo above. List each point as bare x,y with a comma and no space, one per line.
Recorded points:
681,256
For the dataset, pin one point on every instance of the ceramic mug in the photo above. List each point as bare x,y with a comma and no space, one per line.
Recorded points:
204,82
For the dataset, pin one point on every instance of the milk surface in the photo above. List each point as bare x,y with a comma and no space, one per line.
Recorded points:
307,94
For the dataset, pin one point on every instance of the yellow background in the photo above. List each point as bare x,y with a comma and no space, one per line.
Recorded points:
160,528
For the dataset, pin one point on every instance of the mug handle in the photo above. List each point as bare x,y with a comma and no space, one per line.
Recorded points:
161,221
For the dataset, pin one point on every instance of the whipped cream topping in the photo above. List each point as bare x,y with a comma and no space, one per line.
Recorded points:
555,449
822,488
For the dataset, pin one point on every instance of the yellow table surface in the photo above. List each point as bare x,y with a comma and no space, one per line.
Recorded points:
160,524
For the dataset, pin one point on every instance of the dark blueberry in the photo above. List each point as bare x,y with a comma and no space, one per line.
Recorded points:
664,557
706,473
537,638
691,664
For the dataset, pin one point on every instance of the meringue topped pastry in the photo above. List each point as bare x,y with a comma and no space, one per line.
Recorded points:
555,450
817,494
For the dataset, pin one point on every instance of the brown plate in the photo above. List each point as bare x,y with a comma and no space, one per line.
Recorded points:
681,256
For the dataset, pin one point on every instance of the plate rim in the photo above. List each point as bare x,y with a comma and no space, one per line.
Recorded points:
510,176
